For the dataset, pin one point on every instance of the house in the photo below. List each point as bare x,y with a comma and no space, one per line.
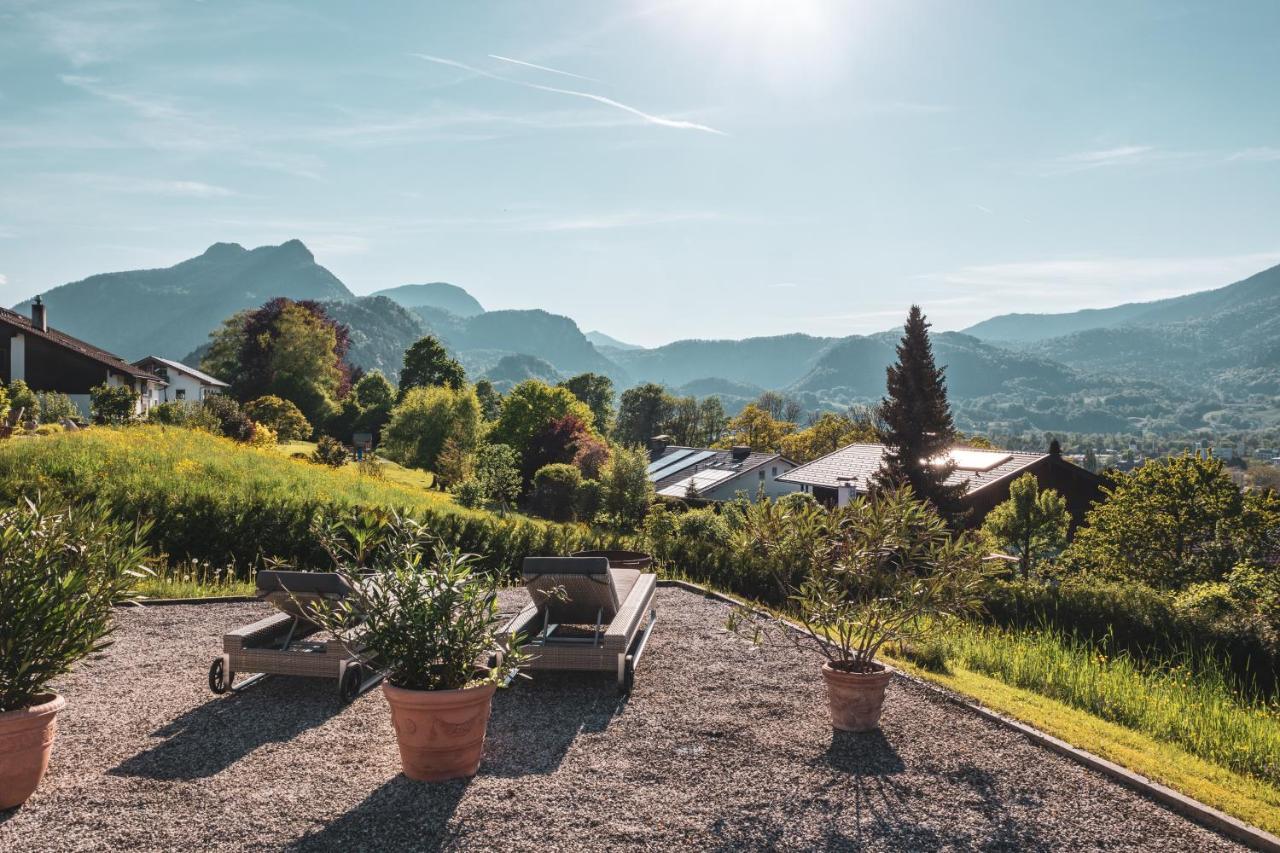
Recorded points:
716,475
49,360
836,478
181,382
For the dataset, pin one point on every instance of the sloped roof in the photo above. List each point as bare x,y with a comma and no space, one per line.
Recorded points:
23,324
719,461
190,371
857,464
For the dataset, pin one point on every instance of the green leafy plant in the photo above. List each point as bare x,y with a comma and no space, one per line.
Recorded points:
62,568
113,404
1032,524
888,571
281,415
427,615
329,451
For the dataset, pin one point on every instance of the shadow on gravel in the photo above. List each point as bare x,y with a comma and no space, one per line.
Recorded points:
1004,832
217,734
535,721
863,754
400,815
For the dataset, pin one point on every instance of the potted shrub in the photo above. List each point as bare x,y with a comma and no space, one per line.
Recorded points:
887,570
432,622
61,571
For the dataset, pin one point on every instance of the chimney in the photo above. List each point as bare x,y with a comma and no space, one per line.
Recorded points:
659,443
39,316
740,452
1055,448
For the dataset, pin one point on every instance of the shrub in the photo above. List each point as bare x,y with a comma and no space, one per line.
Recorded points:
4,404
425,419
170,413
62,568
329,451
263,436
281,415
589,500
113,404
702,525
49,429
469,494
369,466
22,400
426,616
55,406
626,491
225,416
555,491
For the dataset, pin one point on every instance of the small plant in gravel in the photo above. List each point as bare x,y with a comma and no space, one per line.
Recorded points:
888,571
62,568
431,621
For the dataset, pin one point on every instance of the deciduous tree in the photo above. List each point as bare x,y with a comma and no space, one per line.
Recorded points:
1032,524
427,363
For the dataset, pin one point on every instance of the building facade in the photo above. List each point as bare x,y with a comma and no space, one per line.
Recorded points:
703,474
181,382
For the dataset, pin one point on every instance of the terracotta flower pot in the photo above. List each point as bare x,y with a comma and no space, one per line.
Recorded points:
856,697
441,732
26,739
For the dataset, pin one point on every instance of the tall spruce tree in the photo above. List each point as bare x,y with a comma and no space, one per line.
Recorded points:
916,426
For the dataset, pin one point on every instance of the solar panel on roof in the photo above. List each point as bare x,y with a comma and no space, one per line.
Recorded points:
979,460
669,458
702,480
680,465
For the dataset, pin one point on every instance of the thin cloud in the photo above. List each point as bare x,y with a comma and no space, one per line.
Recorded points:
542,67
3,279
1121,155
600,99
983,209
1260,154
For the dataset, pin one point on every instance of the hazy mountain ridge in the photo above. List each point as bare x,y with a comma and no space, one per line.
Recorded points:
436,294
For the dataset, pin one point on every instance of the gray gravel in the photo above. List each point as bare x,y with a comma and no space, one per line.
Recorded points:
720,747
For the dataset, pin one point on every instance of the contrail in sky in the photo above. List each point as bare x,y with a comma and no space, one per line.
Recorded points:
652,119
541,67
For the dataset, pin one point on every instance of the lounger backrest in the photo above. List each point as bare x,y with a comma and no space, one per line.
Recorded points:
302,583
575,590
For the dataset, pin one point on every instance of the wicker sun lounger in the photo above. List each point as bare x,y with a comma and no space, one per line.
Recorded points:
586,615
284,643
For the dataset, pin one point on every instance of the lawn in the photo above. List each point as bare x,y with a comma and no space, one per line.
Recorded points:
393,472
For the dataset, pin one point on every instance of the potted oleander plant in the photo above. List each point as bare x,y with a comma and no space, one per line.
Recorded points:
62,568
430,619
886,571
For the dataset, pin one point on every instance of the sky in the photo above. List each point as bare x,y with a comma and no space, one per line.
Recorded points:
656,170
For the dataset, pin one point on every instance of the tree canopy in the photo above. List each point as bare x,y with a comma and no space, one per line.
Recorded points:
427,363
917,429
597,392
1031,525
643,412
425,420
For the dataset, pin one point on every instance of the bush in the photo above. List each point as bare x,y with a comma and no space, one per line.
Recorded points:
555,491
224,415
369,466
281,415
113,404
469,494
62,568
589,500
54,407
263,436
221,502
702,525
171,413
329,451
625,487
22,400
49,429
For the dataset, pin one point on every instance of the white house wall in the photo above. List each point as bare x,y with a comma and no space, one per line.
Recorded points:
750,482
18,357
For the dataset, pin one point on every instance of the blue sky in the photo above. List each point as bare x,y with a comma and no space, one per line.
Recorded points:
656,170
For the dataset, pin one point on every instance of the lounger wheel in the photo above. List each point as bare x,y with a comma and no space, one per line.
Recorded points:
349,686
219,677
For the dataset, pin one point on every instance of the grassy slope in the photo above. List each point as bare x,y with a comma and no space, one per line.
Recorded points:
394,473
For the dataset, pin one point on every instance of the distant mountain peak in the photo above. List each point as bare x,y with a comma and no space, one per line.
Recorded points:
600,339
296,247
435,294
223,250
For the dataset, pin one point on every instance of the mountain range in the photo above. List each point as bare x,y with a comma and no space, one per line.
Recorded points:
1172,364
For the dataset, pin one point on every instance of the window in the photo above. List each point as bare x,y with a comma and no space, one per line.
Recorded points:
774,471
761,473
180,394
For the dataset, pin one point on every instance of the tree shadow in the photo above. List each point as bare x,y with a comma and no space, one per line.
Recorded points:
863,754
400,815
536,721
1006,832
210,738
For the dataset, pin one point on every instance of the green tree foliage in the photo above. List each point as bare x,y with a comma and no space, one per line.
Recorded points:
685,423
712,421
288,349
490,399
113,404
1091,461
22,400
528,409
757,429
455,463
280,415
1032,525
427,364
556,443
425,419
497,472
917,428
828,432
626,491
597,392
1173,522
4,403
555,491
223,415
643,412
376,396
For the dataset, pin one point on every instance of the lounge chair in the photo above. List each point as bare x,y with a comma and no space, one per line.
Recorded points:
586,615
283,644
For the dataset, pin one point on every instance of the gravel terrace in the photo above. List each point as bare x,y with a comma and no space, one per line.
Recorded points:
720,747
